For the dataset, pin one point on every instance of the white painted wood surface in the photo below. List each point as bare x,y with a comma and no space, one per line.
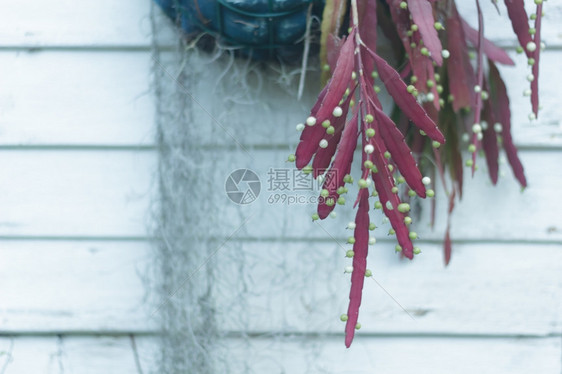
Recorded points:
78,171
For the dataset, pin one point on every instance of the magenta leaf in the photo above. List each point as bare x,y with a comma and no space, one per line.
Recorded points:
519,22
490,143
422,13
360,249
536,56
405,100
340,167
461,73
493,52
335,90
394,142
389,200
500,105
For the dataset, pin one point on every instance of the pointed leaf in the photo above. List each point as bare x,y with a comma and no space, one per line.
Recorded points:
383,184
493,52
360,247
335,90
422,13
400,152
536,56
500,104
519,22
460,71
341,165
406,101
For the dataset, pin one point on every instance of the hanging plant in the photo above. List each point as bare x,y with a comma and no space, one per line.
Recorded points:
445,86
448,96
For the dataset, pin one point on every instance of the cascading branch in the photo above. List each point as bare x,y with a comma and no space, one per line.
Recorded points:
454,93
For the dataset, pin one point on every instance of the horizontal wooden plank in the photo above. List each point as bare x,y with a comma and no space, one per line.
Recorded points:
500,213
295,355
486,290
77,98
85,193
236,103
388,355
105,99
108,194
101,287
29,23
65,286
77,355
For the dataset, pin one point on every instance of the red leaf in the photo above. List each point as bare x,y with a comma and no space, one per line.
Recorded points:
341,165
383,184
493,52
500,105
519,22
335,90
323,156
447,246
405,100
422,13
360,247
536,56
490,142
400,152
461,74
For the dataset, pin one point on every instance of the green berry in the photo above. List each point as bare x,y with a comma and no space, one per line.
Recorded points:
413,235
370,133
315,216
430,193
344,317
398,248
369,118
341,200
378,205
411,193
291,158
350,253
407,220
351,240
403,207
372,226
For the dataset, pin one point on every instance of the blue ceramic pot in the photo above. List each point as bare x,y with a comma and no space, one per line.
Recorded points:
262,28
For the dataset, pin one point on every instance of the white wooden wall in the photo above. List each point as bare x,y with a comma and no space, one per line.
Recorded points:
78,167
